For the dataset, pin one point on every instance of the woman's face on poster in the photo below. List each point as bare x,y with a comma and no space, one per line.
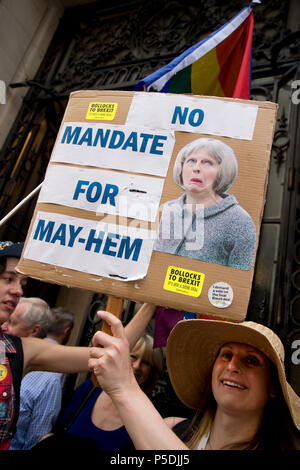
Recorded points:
199,172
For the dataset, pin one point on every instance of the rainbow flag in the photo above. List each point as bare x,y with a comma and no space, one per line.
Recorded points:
219,65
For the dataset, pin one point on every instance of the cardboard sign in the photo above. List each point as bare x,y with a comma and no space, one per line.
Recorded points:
155,198
134,149
107,192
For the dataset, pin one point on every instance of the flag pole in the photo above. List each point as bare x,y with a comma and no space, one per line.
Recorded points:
18,206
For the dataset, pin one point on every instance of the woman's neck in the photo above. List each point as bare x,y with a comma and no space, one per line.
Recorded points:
105,415
230,429
207,199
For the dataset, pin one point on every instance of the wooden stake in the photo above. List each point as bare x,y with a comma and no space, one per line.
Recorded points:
115,306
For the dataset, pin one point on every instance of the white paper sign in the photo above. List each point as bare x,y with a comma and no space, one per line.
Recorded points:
108,250
103,192
137,149
190,114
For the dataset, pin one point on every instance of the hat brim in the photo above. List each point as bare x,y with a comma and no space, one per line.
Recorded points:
192,348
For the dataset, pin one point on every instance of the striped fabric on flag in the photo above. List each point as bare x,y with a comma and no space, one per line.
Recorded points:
219,65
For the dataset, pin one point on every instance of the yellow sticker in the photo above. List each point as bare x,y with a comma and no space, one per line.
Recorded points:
3,372
184,281
102,111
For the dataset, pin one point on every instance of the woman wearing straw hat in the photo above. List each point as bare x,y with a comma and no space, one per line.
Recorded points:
231,373
205,222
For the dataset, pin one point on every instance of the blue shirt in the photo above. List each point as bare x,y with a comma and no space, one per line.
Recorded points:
40,404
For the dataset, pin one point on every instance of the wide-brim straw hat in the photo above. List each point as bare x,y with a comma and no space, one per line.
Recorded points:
192,348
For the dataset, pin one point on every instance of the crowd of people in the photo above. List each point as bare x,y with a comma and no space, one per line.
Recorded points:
231,374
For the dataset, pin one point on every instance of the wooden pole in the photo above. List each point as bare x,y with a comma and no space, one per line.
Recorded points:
115,306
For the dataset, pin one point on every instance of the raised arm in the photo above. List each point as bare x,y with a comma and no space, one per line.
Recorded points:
43,355
111,365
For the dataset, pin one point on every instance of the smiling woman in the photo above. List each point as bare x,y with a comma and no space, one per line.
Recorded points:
228,384
232,374
236,382
207,223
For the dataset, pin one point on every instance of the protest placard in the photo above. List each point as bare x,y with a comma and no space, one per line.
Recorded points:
155,198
